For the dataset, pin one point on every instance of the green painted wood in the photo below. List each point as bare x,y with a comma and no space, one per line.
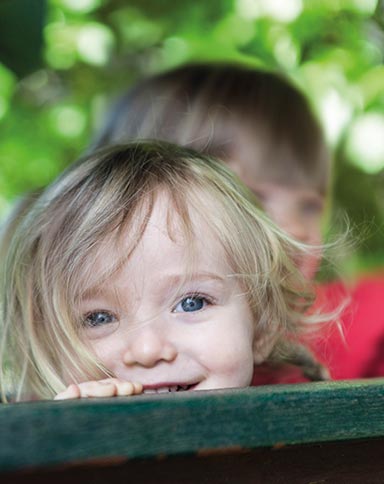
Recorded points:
52,433
21,34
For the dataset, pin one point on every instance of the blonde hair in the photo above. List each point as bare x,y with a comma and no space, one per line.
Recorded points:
49,262
235,113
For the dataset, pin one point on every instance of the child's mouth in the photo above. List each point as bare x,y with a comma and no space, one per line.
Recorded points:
169,389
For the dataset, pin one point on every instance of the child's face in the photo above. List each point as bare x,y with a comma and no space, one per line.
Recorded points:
299,212
296,209
150,324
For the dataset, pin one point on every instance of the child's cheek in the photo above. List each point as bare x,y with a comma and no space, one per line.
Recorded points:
232,359
108,351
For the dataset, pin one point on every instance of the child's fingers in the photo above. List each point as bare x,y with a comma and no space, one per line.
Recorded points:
138,388
72,391
88,389
123,387
109,387
102,388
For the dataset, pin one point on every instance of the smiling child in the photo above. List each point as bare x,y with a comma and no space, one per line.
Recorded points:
146,268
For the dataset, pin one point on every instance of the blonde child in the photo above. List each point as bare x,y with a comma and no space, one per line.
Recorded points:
146,268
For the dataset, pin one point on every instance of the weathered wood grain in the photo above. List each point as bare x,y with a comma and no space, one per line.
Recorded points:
42,434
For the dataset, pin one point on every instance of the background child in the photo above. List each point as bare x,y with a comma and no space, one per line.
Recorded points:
147,268
263,128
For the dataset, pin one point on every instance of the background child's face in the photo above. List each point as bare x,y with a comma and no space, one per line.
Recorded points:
296,209
299,212
151,324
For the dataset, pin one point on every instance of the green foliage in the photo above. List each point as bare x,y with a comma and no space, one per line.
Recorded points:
53,94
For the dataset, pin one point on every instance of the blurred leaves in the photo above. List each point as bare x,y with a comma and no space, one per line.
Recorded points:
62,61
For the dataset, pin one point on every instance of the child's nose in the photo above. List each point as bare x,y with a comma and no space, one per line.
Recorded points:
297,229
290,221
148,347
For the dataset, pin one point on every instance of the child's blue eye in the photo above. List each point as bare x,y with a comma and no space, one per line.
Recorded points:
190,304
98,318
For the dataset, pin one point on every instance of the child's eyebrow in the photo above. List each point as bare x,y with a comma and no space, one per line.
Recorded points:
175,279
171,284
110,291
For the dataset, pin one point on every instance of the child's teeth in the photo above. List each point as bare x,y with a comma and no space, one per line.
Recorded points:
163,390
173,388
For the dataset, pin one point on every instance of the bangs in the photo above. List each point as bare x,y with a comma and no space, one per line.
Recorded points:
280,151
90,271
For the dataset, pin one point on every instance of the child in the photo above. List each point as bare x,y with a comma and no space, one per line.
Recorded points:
146,268
262,127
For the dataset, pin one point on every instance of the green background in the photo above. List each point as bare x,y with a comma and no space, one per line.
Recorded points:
63,61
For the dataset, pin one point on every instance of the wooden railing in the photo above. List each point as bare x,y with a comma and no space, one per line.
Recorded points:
238,430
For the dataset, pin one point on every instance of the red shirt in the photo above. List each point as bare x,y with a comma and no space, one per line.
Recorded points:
361,354
357,351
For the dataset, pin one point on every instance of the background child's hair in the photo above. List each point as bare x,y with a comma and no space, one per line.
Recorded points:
233,112
50,262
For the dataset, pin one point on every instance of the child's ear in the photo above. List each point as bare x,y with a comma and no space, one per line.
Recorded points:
263,346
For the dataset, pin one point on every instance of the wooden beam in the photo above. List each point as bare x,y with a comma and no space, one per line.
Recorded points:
41,434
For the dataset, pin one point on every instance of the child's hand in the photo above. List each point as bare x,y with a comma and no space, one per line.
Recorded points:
109,387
